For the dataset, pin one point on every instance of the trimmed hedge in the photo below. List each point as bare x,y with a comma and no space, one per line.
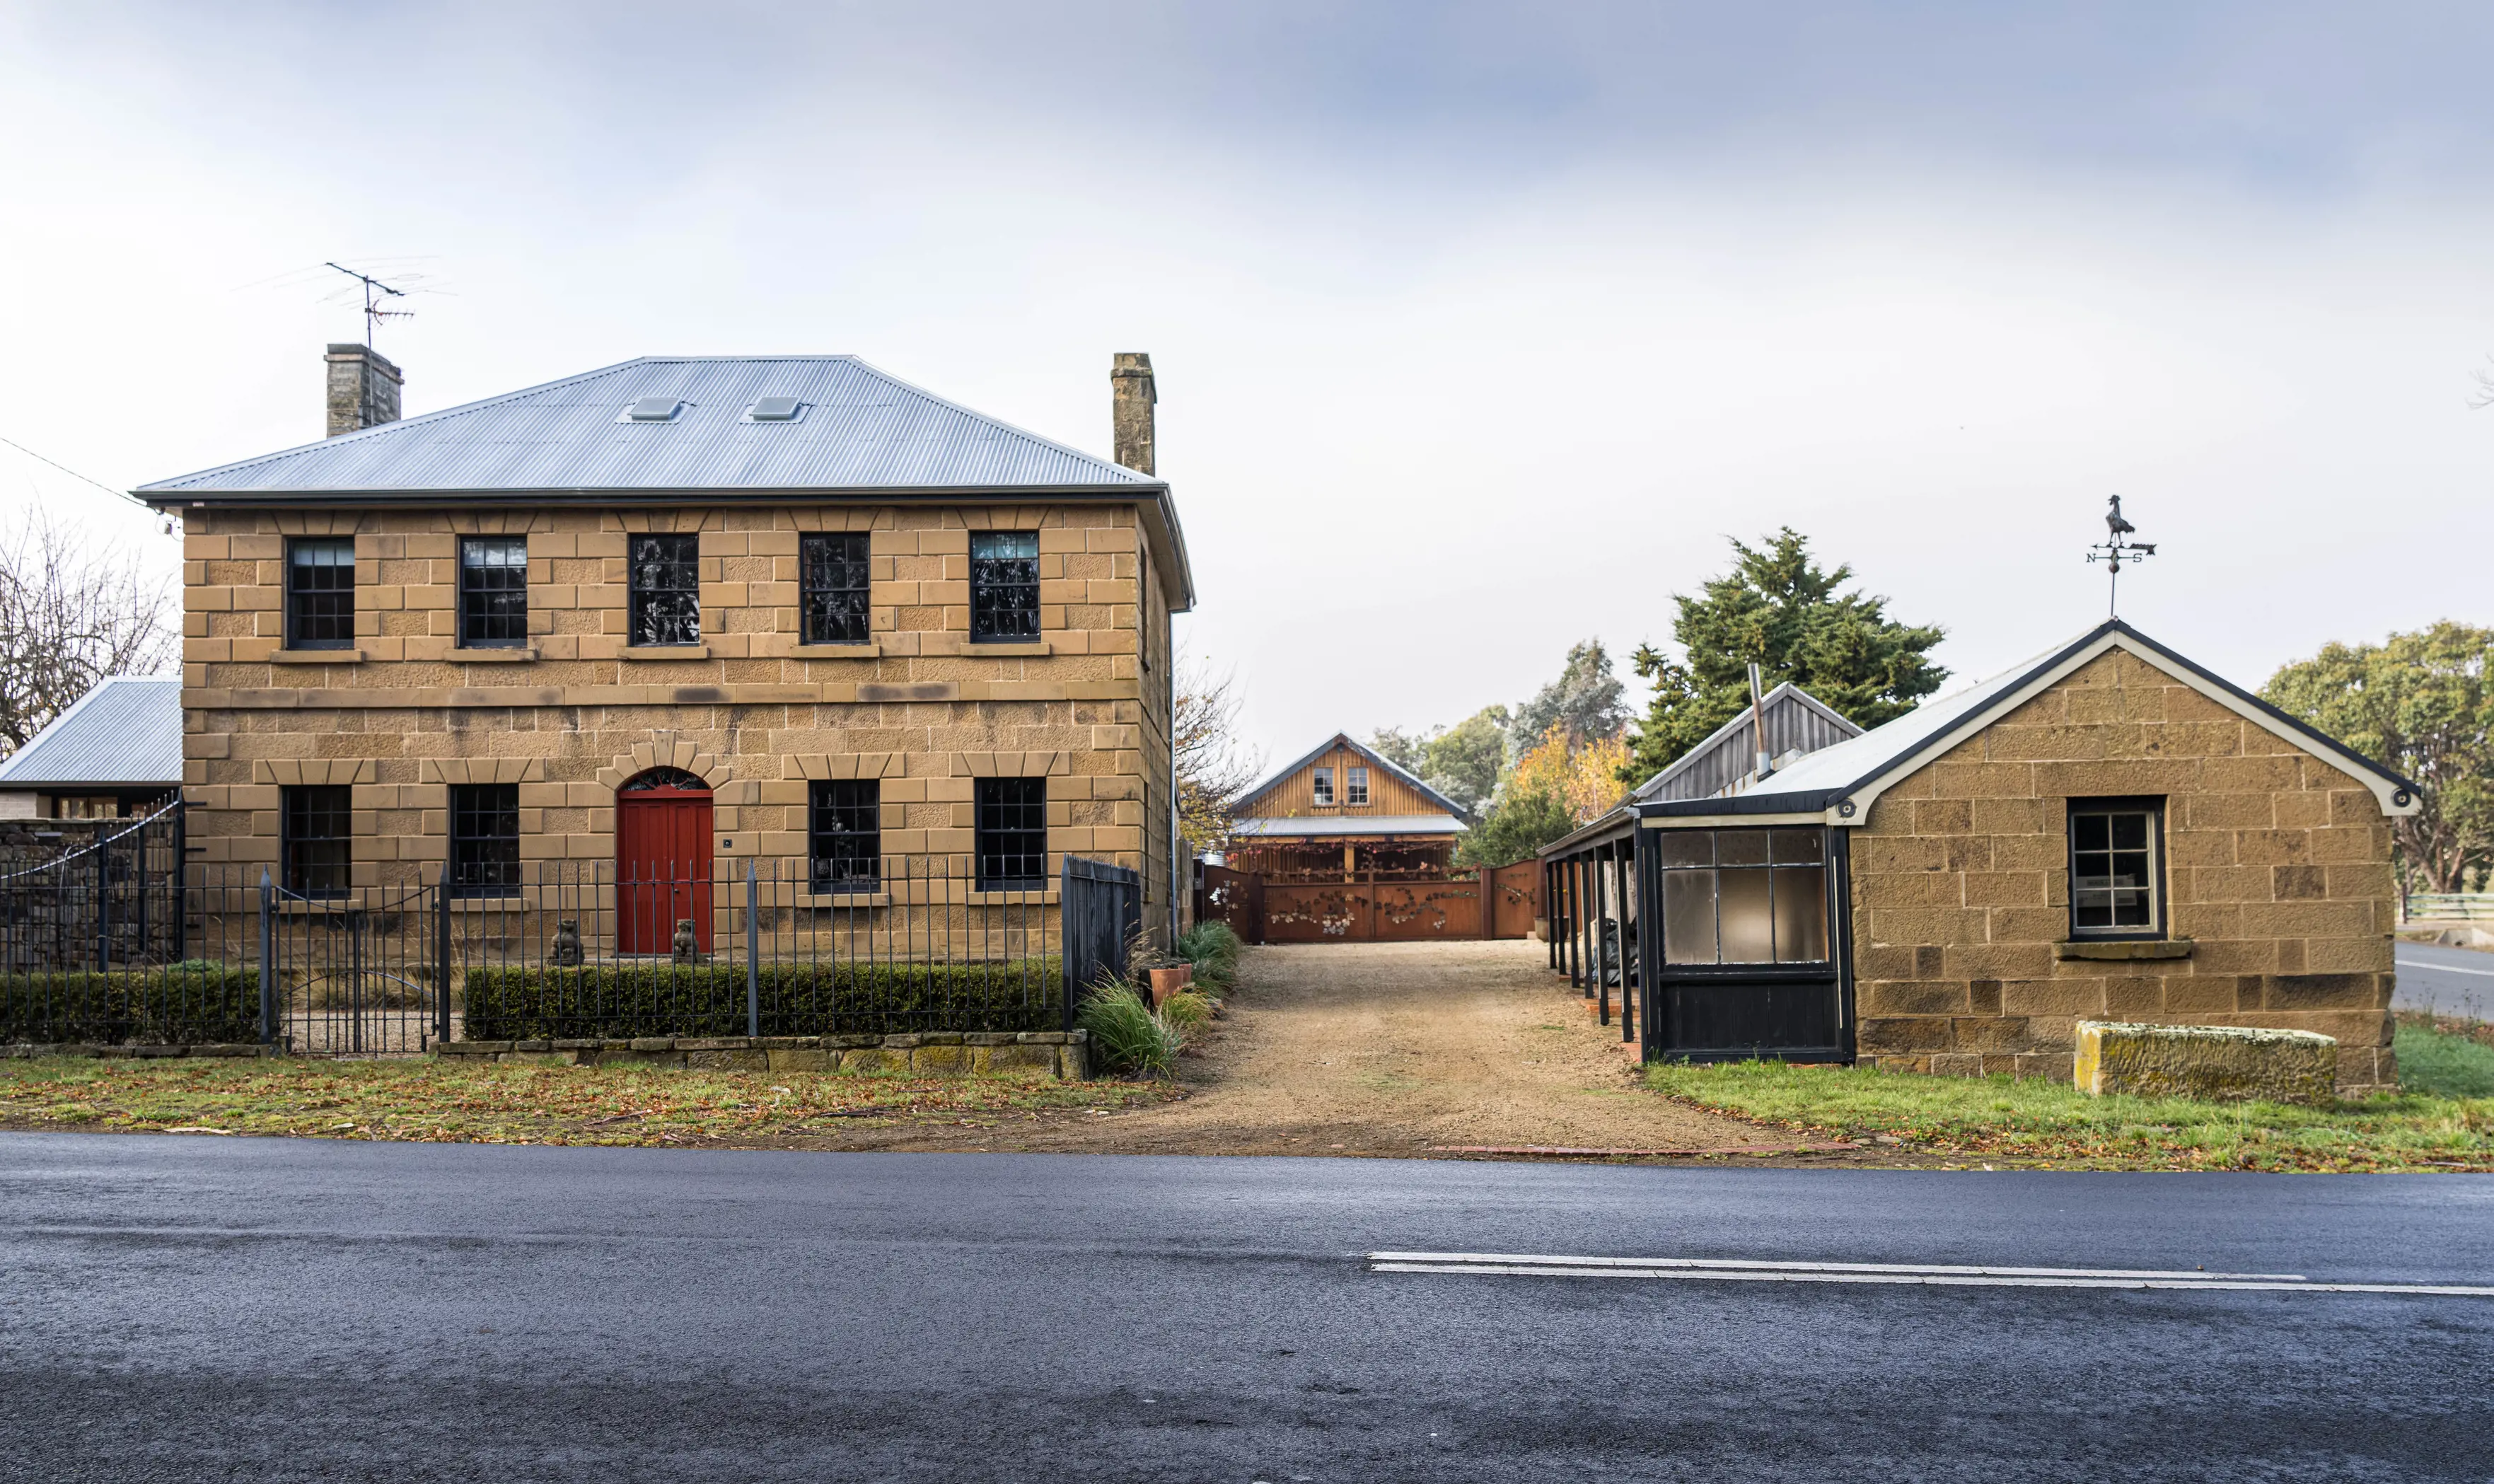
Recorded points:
806,999
186,1004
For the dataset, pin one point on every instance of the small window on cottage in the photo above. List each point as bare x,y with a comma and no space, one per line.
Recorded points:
833,585
1744,896
844,818
320,592
493,593
2117,876
484,839
1355,785
666,590
315,842
1322,782
1004,586
1013,834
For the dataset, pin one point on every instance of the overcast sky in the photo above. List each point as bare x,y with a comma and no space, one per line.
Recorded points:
1479,328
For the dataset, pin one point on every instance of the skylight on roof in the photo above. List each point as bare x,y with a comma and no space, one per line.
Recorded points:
775,410
653,410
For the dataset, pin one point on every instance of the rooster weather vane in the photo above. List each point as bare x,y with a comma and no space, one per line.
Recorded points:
2114,549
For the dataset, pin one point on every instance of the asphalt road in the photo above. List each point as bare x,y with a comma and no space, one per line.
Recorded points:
2453,981
197,1309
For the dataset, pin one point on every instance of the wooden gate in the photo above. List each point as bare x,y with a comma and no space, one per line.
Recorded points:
1360,909
663,865
1515,900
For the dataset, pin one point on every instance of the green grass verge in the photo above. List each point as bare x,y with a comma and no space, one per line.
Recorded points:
1971,1120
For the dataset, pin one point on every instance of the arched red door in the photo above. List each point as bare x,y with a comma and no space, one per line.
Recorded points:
663,870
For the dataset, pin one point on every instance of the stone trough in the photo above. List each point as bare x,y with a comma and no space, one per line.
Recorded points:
2210,1063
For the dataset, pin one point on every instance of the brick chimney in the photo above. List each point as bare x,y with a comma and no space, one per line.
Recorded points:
1130,378
363,389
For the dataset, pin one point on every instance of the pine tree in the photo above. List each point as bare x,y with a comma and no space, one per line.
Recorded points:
1778,609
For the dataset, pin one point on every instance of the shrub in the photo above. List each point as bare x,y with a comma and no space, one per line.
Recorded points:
1187,1011
183,1004
804,999
1126,1036
1213,948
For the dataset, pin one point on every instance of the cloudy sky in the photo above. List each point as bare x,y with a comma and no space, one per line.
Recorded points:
1479,328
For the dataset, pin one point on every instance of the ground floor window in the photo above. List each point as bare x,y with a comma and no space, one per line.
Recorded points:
844,830
1744,896
484,839
1012,834
316,847
2116,873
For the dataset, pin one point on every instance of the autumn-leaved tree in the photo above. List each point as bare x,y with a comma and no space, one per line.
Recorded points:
2421,706
1779,609
70,616
1213,767
1561,784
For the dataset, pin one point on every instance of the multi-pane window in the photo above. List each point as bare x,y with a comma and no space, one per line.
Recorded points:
833,585
1004,586
320,592
1744,896
666,590
845,827
2114,875
1321,784
315,850
1354,786
484,839
1013,834
493,593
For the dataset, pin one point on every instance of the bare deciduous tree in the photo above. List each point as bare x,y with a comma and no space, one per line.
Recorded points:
71,615
1212,769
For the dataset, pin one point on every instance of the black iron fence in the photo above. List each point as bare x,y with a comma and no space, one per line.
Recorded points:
117,945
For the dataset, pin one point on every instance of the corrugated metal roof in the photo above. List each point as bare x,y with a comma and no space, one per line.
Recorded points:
128,730
1797,721
861,430
1354,825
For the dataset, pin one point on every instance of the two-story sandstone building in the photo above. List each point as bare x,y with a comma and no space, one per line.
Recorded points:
674,612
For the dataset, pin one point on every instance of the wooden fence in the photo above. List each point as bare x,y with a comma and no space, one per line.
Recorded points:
1361,908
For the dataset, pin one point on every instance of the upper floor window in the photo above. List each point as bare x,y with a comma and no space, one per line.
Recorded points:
833,584
1004,586
666,590
2117,869
845,832
315,842
1013,834
1744,896
320,592
1355,785
493,593
1321,784
484,839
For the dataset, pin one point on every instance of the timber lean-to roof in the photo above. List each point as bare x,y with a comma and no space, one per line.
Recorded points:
125,732
1843,780
1342,739
860,432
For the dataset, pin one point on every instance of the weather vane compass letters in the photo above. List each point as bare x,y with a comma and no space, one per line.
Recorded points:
2115,548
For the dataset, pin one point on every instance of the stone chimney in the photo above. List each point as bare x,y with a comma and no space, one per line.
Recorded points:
363,389
1130,378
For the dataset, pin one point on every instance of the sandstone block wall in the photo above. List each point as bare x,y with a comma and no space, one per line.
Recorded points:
2277,870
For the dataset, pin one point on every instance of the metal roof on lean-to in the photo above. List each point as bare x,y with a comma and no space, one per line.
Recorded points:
1340,826
127,731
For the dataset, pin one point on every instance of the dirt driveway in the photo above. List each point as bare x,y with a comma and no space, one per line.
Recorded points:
1405,1048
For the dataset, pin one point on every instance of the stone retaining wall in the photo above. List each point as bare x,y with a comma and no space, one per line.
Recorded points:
1062,1054
88,1048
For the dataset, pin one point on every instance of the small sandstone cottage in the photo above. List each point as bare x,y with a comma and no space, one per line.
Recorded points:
2110,831
674,612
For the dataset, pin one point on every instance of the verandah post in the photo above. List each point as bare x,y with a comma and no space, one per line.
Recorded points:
752,956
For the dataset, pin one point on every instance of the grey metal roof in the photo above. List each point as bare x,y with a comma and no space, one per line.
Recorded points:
862,429
1344,739
125,732
1797,721
1332,825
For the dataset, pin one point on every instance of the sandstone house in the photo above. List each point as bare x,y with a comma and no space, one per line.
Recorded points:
675,614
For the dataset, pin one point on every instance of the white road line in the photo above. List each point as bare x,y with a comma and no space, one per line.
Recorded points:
1933,1280
1549,1260
2443,968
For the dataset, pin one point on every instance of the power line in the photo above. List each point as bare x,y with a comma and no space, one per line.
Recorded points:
73,473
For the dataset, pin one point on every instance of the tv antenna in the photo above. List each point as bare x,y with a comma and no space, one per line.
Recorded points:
2113,548
374,313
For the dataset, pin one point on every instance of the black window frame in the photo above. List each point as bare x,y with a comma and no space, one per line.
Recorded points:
844,835
2159,913
483,862
316,838
835,611
1011,816
321,615
665,575
1783,853
493,598
1004,589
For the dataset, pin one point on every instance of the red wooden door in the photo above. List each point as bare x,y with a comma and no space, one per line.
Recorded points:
662,867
